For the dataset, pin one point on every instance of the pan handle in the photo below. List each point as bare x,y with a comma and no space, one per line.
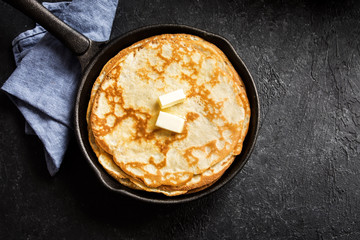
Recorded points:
74,40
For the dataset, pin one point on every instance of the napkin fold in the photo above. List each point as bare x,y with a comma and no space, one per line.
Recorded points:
45,82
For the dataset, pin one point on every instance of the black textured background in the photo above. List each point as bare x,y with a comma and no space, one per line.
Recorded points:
301,182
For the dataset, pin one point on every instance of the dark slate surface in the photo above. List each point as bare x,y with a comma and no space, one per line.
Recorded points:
301,182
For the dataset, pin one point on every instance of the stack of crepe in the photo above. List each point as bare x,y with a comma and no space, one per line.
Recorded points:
124,106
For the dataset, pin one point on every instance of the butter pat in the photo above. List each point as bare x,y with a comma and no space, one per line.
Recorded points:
170,122
170,99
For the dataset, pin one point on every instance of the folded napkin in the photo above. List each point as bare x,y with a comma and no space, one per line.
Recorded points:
45,82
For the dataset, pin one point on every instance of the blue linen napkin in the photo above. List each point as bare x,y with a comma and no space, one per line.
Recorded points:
45,82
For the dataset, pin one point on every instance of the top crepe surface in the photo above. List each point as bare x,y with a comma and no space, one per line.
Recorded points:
125,109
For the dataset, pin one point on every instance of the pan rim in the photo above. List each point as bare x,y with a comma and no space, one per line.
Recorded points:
253,99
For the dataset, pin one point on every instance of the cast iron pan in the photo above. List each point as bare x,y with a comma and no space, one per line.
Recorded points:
94,55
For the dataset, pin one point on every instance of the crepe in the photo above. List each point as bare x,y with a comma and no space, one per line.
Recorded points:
123,109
